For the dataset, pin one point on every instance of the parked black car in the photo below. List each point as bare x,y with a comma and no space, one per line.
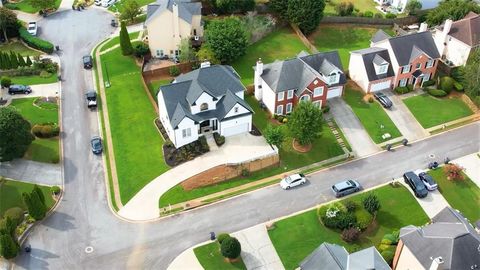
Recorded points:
415,184
91,98
87,62
96,143
383,99
19,89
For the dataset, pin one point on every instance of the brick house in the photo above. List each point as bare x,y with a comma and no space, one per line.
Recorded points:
282,84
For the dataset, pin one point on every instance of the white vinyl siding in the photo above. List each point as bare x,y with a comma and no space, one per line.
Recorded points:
318,91
279,109
289,108
280,96
290,94
187,132
406,69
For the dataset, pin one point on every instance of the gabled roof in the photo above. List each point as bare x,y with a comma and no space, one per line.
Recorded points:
379,36
186,9
326,256
467,29
406,48
449,236
378,55
368,258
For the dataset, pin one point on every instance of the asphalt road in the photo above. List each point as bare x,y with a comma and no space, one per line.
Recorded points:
84,234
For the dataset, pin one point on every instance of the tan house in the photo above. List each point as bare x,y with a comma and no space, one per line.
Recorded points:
170,21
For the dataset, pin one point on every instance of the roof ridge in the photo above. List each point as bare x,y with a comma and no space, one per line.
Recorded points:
333,256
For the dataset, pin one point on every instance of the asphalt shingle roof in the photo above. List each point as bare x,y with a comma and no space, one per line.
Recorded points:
372,55
407,47
467,29
326,256
379,36
368,258
186,9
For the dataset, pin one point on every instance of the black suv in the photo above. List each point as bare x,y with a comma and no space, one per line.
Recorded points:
87,62
19,89
383,99
416,184
91,98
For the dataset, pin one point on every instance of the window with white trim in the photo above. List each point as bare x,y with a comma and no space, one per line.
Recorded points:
333,78
318,103
418,66
289,108
426,77
187,132
305,98
430,63
318,91
403,82
406,69
235,110
290,94
280,96
382,69
280,109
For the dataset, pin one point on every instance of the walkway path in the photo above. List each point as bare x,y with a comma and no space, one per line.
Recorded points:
32,172
186,261
471,163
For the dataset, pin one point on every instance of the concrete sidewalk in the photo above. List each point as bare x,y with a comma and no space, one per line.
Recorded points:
186,261
471,163
32,172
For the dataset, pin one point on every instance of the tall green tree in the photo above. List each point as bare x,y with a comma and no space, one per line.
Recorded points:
15,134
36,189
8,226
21,61
451,9
29,61
371,204
130,10
35,207
187,53
227,38
8,20
306,14
206,54
413,6
125,43
7,61
8,246
274,135
13,60
471,76
305,123
43,4
2,63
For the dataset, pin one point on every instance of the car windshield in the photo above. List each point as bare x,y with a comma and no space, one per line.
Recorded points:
288,179
31,27
96,143
335,188
86,59
428,179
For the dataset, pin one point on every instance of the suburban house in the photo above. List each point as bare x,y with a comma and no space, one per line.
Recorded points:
398,6
282,84
371,69
413,57
335,257
206,100
456,40
170,21
449,242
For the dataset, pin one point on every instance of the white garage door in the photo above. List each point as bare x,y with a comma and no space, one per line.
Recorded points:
240,128
380,86
334,92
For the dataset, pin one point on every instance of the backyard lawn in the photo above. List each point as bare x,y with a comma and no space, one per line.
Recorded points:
278,45
11,195
428,113
344,38
153,86
26,6
116,41
18,47
36,79
361,5
210,258
463,195
296,237
138,151
371,115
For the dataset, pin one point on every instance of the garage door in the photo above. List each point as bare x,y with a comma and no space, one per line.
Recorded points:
240,128
334,92
380,86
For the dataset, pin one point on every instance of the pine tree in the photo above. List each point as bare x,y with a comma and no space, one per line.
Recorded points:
39,192
13,60
21,61
8,246
125,43
29,61
2,64
39,207
8,64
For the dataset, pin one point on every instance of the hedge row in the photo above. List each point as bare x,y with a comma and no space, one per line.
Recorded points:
401,90
35,42
437,92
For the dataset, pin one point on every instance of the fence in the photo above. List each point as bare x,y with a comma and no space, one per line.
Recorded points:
304,39
372,21
163,72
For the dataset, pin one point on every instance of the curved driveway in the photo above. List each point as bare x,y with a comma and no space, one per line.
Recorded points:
83,219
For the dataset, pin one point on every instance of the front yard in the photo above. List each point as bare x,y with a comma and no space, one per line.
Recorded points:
35,79
26,6
371,115
296,237
210,258
432,111
11,195
19,47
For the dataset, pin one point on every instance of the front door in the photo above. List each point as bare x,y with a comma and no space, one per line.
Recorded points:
215,124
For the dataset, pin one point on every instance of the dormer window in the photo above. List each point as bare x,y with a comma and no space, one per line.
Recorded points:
333,78
204,107
235,109
381,69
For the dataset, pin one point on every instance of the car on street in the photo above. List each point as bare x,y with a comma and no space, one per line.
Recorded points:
19,89
87,62
32,28
96,143
91,98
98,2
108,3
293,181
345,187
415,184
383,99
428,181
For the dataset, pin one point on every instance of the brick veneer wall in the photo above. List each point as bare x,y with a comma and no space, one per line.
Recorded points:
422,59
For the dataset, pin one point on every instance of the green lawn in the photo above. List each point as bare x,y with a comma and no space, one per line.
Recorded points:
11,195
280,44
26,6
18,47
116,40
36,79
431,111
138,150
153,86
117,7
463,195
44,150
296,237
371,115
210,258
34,114
344,38
362,5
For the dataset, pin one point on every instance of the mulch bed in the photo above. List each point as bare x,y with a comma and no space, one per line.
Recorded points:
301,148
255,131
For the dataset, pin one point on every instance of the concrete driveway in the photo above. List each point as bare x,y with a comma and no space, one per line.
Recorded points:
32,172
404,119
471,165
351,127
38,90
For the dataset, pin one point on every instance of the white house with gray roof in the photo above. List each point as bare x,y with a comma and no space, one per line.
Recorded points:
170,21
206,100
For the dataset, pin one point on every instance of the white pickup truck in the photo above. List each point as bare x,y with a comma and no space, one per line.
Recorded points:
32,28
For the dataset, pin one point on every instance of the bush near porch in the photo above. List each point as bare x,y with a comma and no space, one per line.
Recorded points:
210,258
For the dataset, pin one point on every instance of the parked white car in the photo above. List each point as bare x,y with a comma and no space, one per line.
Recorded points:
107,3
293,181
98,2
32,28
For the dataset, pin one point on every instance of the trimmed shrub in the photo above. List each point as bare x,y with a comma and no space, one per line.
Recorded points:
410,87
336,216
368,14
285,120
401,90
370,100
371,203
364,218
47,131
6,82
140,49
428,83
390,16
446,84
388,256
378,16
45,74
437,92
390,238
219,139
222,237
174,71
37,130
230,248
35,42
16,214
350,205
55,190
386,242
344,9
350,235
458,86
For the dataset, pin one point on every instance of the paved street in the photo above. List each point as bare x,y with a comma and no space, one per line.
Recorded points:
83,233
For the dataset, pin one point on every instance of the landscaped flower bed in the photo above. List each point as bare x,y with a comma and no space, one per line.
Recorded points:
174,156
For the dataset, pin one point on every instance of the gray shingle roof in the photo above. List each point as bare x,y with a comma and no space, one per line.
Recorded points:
368,258
186,9
407,47
370,55
467,29
450,236
326,256
379,36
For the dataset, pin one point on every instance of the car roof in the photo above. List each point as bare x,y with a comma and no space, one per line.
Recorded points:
87,56
343,184
91,94
295,176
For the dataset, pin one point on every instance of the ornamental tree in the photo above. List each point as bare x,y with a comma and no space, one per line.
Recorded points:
8,246
274,135
230,248
227,38
125,43
451,9
15,135
305,123
371,204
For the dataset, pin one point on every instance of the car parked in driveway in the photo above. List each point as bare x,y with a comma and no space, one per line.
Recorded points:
32,28
415,184
383,99
428,181
87,62
96,143
293,181
19,89
346,187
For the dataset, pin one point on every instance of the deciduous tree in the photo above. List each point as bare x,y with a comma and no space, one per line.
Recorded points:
413,6
130,10
371,204
305,123
226,38
206,54
187,53
8,20
43,4
15,134
471,76
230,248
306,14
451,9
274,135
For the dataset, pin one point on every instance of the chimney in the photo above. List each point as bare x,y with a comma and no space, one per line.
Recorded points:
205,64
176,24
423,27
258,80
259,67
437,264
447,26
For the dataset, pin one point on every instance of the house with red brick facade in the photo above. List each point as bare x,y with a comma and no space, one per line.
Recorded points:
283,84
414,57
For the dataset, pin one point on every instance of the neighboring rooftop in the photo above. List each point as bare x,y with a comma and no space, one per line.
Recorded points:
379,36
186,9
408,47
378,56
467,29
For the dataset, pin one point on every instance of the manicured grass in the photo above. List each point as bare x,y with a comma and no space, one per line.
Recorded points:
32,80
117,7
153,86
34,114
26,6
44,150
296,237
116,40
210,258
361,5
18,47
11,195
371,115
431,111
136,141
280,44
463,195
344,38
